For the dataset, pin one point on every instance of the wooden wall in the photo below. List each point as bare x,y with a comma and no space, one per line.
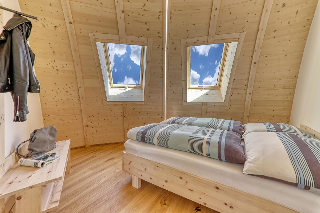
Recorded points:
57,73
108,123
55,69
287,28
94,122
280,60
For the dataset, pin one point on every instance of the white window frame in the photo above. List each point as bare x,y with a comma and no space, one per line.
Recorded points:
118,93
217,95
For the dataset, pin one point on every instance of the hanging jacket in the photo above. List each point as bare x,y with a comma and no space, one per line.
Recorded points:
16,65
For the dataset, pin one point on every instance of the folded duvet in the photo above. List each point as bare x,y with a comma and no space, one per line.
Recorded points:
213,143
215,123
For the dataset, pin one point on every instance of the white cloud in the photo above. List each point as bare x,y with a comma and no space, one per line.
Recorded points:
194,78
115,69
216,62
204,49
115,49
212,80
129,67
201,66
135,54
128,80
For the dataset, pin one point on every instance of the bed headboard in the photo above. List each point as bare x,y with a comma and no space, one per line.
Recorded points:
310,131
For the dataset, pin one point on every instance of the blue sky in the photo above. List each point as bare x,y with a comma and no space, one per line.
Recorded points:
205,64
125,63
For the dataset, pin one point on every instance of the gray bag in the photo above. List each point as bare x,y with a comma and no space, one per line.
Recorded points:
41,141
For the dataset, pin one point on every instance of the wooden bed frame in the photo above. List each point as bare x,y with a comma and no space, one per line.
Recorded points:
205,192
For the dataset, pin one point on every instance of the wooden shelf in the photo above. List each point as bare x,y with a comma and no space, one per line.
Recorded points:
20,178
42,187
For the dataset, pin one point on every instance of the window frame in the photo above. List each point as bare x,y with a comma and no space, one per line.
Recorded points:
215,91
211,87
144,81
142,68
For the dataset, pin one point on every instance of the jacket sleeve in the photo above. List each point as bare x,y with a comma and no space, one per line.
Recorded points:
20,73
5,52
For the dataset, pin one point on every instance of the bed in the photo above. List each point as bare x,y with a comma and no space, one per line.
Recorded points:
212,183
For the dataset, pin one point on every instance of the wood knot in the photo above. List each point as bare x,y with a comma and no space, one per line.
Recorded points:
19,198
180,177
191,190
231,207
225,204
166,181
217,188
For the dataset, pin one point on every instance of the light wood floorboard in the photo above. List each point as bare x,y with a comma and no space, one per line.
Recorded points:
97,184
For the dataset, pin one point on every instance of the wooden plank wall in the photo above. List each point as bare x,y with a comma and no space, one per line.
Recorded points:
280,60
55,71
280,57
274,83
235,16
143,18
55,68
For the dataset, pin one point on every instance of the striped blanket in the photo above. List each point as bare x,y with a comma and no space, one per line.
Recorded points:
217,144
274,127
215,123
286,157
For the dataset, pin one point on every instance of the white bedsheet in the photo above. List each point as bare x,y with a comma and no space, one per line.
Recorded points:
228,174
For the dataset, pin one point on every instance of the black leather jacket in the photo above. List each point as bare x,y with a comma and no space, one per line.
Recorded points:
16,65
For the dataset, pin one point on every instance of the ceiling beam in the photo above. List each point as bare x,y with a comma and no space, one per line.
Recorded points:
120,19
256,55
77,64
214,17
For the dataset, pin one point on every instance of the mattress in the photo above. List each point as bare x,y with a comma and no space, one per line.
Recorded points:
228,174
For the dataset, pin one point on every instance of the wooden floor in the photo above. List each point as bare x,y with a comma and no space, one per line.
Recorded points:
97,184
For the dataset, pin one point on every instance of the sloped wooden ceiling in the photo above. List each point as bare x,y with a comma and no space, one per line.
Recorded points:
281,55
75,105
93,122
277,67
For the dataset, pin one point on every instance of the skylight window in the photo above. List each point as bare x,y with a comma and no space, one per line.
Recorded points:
122,64
208,70
125,64
206,65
